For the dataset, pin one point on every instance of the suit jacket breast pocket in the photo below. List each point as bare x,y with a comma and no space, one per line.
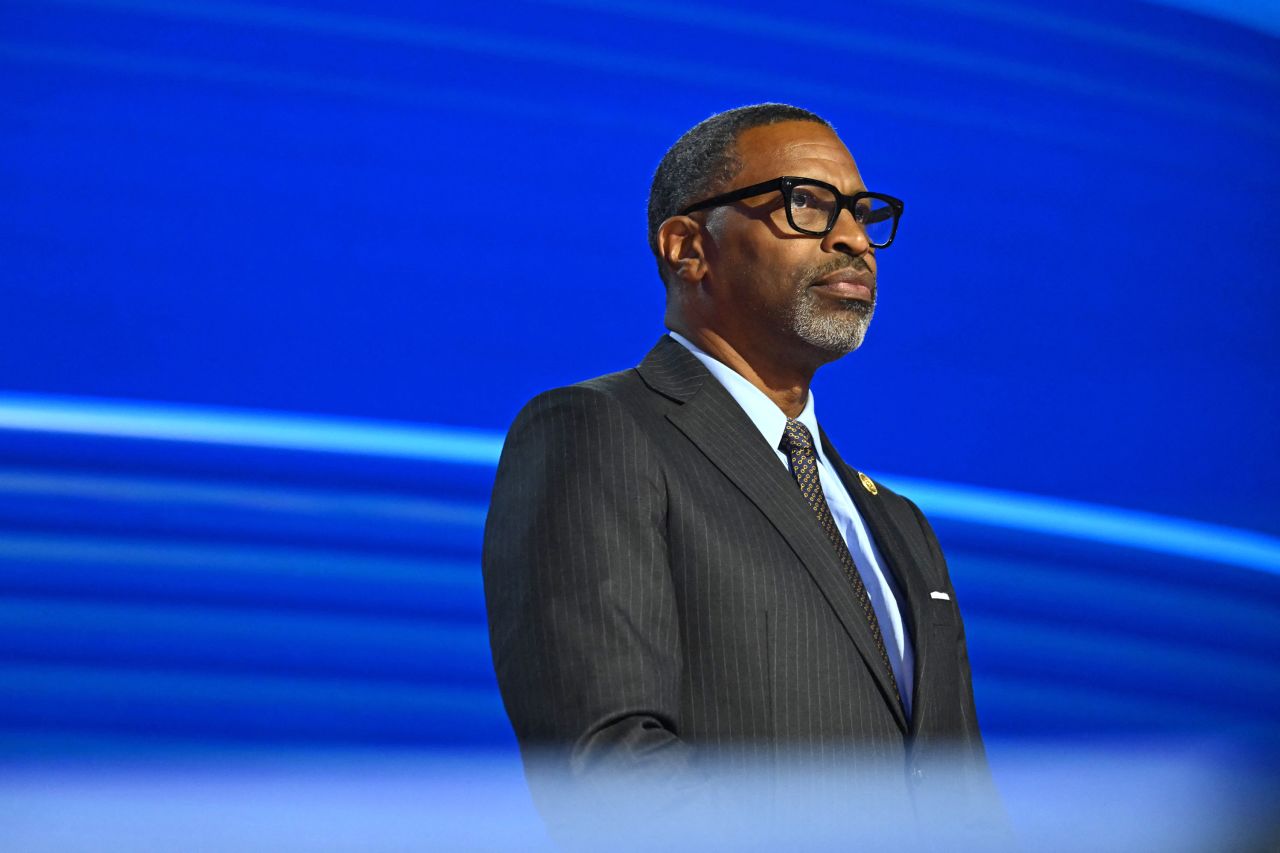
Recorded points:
943,612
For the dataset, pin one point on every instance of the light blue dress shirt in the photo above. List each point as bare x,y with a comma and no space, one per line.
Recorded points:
772,423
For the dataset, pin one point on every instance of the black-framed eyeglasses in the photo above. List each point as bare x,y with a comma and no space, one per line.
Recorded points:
813,206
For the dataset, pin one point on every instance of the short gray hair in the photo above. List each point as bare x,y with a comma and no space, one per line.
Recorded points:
705,159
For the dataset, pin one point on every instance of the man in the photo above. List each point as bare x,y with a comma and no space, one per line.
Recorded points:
682,574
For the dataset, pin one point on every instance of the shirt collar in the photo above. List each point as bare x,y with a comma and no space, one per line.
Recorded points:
763,412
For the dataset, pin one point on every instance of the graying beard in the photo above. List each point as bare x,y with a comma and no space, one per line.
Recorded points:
835,332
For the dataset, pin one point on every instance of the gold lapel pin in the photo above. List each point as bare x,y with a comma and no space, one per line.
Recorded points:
867,484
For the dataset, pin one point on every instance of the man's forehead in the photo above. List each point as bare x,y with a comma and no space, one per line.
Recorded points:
800,148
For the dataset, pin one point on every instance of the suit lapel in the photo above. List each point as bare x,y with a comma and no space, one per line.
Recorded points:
714,422
896,551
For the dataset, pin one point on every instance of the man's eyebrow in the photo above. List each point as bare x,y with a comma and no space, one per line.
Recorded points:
858,186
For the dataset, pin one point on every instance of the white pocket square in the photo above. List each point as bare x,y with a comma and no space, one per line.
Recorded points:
941,596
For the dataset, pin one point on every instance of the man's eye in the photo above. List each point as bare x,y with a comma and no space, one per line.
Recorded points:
801,198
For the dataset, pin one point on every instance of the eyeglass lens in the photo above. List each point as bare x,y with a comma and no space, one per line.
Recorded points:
812,210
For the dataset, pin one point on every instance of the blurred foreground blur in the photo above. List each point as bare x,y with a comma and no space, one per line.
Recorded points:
1068,797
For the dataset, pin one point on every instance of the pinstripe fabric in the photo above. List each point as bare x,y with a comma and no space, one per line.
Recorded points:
658,591
798,445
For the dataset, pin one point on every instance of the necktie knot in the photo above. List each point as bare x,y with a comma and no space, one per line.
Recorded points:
797,437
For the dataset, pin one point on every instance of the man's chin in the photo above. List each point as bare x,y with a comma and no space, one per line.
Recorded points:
835,340
837,331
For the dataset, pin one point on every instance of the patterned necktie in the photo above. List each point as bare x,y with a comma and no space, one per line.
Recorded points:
797,442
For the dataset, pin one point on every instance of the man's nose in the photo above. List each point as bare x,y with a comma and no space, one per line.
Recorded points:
846,236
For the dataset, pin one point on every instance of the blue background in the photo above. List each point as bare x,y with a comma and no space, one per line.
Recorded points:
274,278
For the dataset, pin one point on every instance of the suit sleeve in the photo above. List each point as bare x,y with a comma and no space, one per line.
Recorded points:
962,782
971,734
581,608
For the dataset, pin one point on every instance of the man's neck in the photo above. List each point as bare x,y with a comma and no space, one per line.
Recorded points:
787,387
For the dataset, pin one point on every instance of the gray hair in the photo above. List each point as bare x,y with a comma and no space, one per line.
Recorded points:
705,159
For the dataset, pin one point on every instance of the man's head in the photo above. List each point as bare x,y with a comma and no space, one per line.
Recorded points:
741,270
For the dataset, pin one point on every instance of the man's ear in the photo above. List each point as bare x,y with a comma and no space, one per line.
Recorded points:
681,249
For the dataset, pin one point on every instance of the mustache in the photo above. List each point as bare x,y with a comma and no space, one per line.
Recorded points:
855,265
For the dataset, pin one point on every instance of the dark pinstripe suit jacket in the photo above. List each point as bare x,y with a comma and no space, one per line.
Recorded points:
657,587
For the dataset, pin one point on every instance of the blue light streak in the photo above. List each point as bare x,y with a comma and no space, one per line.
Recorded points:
246,428
1094,523
456,445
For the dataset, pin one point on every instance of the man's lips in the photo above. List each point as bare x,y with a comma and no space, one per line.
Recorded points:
846,284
